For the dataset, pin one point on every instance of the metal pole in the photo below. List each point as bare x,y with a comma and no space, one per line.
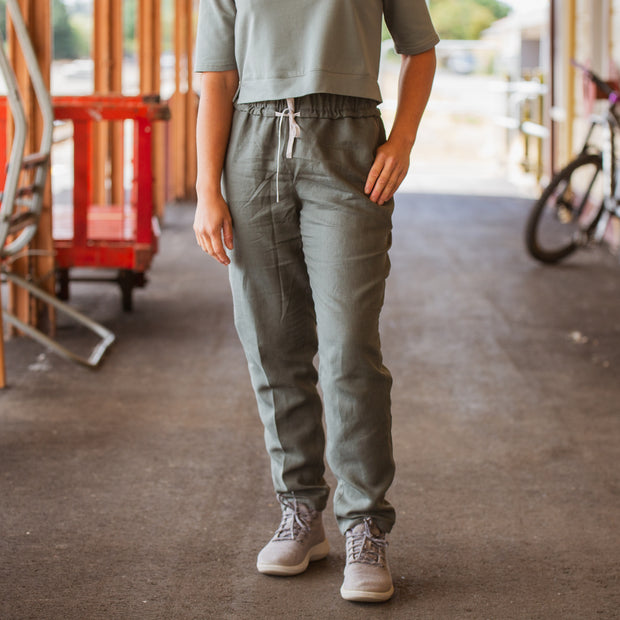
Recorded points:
30,52
17,149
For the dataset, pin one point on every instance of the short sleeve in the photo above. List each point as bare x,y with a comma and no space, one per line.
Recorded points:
215,36
410,25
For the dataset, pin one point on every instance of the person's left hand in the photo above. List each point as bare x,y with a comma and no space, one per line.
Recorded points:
388,170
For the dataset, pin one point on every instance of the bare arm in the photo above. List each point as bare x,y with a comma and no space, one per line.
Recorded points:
212,221
392,159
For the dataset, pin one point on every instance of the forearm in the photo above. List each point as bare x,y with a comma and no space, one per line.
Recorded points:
415,83
392,158
212,221
215,112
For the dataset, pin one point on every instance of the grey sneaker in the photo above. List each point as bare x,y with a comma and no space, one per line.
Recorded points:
299,540
367,575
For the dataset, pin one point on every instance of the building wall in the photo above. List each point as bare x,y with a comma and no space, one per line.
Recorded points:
615,33
593,38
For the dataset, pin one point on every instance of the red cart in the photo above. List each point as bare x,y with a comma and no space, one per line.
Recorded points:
122,237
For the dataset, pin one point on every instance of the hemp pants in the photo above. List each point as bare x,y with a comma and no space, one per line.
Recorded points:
308,275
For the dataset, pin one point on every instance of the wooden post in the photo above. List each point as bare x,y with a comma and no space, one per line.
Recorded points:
552,86
191,106
184,105
149,52
569,36
37,16
108,62
609,15
149,45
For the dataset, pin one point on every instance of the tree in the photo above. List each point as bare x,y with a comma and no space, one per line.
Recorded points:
465,19
65,39
499,9
130,10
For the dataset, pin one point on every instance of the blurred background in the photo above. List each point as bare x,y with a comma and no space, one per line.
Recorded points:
507,108
506,104
141,490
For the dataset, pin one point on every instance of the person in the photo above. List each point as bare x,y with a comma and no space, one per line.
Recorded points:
295,193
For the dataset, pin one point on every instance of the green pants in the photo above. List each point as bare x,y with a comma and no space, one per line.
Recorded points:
308,275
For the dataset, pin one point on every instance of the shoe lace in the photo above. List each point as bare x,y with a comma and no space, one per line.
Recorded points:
295,523
364,547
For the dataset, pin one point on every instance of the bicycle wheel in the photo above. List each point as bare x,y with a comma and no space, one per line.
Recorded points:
562,219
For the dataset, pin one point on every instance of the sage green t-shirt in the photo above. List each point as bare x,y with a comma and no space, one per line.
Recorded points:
290,48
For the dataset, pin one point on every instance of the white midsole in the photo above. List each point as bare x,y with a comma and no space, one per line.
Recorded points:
318,552
365,595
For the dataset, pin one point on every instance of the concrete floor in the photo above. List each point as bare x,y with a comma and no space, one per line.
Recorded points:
142,490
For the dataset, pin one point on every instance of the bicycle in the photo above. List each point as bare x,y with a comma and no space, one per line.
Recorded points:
576,208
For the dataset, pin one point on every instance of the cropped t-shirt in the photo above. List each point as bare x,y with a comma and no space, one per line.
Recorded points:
291,48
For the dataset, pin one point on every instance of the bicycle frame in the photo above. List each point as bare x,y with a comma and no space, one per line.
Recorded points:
611,200
574,209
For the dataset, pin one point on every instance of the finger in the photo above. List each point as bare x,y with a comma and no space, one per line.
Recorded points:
201,241
218,249
206,245
391,186
381,184
228,234
374,174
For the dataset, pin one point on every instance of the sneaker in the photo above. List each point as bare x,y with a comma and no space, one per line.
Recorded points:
299,540
367,575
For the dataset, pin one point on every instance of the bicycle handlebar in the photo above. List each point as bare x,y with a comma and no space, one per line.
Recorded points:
612,95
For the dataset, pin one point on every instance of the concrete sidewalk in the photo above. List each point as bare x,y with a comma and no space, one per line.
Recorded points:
142,490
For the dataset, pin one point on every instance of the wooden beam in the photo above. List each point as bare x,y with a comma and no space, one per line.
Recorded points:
191,107
184,105
149,53
108,63
37,15
149,45
609,35
569,44
552,86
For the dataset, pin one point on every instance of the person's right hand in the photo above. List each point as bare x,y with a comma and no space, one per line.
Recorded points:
212,224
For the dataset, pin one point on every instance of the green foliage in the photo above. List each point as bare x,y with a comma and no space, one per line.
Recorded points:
499,9
82,25
167,24
385,33
465,19
3,18
130,11
66,40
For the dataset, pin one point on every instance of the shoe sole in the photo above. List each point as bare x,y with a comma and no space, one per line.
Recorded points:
364,596
318,552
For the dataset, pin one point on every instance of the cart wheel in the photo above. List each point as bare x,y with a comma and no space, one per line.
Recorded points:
126,280
62,284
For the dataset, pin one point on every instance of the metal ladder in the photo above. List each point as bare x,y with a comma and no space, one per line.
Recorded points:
21,206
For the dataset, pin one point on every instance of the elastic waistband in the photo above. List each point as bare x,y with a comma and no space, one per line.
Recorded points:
318,105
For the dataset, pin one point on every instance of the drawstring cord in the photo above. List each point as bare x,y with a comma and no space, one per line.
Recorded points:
294,131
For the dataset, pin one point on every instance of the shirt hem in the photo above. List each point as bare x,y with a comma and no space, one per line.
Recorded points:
419,48
203,67
363,86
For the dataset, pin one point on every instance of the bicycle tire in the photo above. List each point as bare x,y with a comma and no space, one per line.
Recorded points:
556,201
